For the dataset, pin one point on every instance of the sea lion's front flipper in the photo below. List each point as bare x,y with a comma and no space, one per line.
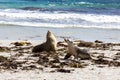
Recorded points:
67,56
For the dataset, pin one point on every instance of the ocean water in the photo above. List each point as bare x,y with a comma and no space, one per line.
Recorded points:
62,15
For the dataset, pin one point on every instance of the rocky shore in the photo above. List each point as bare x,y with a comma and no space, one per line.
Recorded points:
17,59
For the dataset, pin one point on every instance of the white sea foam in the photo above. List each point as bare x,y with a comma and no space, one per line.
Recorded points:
83,3
57,19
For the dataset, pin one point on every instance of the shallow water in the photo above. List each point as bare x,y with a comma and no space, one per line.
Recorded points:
37,33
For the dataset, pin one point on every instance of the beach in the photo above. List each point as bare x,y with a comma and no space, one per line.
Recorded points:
18,62
93,25
26,67
78,74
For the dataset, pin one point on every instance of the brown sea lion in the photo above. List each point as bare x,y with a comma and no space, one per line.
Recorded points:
49,45
76,51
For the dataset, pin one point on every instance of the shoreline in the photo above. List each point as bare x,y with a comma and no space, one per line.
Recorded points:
33,33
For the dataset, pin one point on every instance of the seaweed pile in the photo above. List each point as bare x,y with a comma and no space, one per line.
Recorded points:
21,57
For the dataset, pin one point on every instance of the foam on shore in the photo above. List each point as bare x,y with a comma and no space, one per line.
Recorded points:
58,19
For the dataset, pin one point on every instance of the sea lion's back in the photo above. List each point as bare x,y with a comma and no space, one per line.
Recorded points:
38,48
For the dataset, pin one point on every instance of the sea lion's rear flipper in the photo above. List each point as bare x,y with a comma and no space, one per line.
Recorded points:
67,56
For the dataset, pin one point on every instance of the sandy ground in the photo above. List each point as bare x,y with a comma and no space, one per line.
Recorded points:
92,71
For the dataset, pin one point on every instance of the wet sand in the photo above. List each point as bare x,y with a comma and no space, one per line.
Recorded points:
39,33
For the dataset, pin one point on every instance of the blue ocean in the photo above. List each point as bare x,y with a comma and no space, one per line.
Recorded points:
74,17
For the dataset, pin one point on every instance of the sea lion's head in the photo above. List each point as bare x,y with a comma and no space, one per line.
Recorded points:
49,33
50,36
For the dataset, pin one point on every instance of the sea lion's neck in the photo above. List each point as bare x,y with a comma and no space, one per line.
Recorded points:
50,38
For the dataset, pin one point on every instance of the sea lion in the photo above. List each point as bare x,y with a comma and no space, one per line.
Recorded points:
49,45
76,51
